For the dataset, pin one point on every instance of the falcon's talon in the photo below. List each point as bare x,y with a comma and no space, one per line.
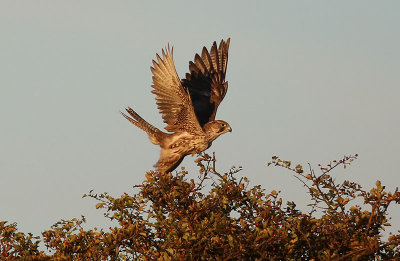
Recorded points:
188,107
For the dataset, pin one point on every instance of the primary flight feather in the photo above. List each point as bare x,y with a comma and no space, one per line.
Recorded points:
188,107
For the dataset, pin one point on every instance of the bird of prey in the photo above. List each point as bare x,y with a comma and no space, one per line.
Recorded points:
188,106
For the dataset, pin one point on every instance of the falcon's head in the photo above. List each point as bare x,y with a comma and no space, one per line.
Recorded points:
216,128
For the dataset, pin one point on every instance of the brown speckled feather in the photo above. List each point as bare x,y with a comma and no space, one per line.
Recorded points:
188,107
206,81
173,101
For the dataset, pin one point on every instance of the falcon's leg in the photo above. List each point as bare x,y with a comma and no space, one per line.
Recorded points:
168,162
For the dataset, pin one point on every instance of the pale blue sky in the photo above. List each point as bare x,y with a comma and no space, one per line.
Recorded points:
309,81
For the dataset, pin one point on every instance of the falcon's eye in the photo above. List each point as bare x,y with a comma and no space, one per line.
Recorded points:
222,124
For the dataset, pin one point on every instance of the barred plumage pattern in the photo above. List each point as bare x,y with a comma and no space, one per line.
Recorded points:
188,107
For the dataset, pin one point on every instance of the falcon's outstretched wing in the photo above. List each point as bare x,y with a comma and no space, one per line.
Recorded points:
173,101
206,81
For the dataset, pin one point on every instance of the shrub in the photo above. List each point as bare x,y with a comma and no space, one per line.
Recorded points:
219,216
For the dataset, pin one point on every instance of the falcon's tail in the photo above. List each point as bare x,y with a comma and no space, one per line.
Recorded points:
154,133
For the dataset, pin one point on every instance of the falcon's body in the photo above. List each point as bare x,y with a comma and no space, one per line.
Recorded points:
188,106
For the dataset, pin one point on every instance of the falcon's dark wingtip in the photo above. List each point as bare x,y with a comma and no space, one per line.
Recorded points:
227,41
206,80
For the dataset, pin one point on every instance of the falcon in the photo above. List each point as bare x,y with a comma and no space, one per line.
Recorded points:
188,106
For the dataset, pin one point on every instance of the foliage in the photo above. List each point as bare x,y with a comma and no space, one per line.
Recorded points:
219,216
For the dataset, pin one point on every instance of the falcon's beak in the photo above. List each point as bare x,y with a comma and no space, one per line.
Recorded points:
230,129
